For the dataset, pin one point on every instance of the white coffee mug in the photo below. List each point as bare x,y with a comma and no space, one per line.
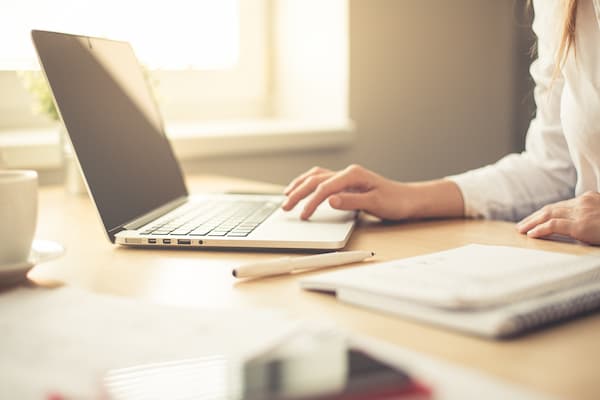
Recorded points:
18,215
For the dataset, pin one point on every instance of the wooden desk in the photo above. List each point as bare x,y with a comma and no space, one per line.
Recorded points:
563,360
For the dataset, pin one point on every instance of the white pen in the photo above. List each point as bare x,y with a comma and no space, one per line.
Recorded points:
290,264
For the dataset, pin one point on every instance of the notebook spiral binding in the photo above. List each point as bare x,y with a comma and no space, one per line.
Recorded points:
571,307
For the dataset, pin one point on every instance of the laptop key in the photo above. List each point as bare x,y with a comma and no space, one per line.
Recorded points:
180,232
238,234
242,230
218,233
200,232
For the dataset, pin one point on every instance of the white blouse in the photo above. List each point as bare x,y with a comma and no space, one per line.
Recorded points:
562,152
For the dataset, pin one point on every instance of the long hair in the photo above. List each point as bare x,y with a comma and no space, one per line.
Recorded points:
567,33
567,30
567,39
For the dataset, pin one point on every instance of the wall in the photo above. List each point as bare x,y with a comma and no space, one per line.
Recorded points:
436,88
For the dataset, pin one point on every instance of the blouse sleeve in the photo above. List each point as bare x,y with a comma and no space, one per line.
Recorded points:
519,184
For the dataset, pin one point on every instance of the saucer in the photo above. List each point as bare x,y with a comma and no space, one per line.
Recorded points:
41,250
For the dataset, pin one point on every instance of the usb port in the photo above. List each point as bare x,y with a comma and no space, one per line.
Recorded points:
152,241
166,241
184,241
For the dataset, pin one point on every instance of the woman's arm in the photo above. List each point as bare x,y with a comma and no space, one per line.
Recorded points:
544,173
357,188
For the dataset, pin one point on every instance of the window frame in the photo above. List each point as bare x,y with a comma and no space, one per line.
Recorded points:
264,117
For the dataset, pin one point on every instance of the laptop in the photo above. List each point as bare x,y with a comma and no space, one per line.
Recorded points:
131,172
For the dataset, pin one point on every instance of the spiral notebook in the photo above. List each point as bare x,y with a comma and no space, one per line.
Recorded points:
491,291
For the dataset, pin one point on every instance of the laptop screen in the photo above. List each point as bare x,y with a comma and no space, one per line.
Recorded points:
114,125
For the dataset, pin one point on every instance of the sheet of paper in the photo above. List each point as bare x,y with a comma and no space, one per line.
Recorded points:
481,264
64,340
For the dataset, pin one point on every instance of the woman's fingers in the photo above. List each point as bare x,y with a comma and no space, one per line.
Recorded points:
354,188
353,201
541,216
300,179
353,177
303,189
558,226
578,218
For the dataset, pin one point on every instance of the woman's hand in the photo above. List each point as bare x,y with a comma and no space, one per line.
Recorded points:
578,218
357,188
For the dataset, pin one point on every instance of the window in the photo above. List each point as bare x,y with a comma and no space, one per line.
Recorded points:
172,34
202,53
234,76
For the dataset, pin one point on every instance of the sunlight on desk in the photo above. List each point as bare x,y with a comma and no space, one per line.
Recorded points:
560,361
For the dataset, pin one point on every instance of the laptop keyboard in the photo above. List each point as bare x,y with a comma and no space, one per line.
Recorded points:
236,218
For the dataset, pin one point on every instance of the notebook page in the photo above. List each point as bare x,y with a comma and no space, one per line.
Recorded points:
481,264
472,276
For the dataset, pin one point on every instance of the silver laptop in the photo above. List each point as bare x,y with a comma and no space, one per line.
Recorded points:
132,174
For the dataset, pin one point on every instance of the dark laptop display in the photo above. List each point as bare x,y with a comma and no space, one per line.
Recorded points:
121,116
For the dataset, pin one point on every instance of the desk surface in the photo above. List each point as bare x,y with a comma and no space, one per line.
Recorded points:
562,360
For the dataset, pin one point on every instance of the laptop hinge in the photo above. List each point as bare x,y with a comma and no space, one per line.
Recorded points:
154,214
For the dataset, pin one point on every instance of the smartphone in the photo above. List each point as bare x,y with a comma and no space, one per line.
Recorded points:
310,367
364,378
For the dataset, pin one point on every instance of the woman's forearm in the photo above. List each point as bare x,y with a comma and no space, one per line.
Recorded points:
435,199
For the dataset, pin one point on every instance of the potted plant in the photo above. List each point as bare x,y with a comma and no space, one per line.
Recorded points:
36,84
